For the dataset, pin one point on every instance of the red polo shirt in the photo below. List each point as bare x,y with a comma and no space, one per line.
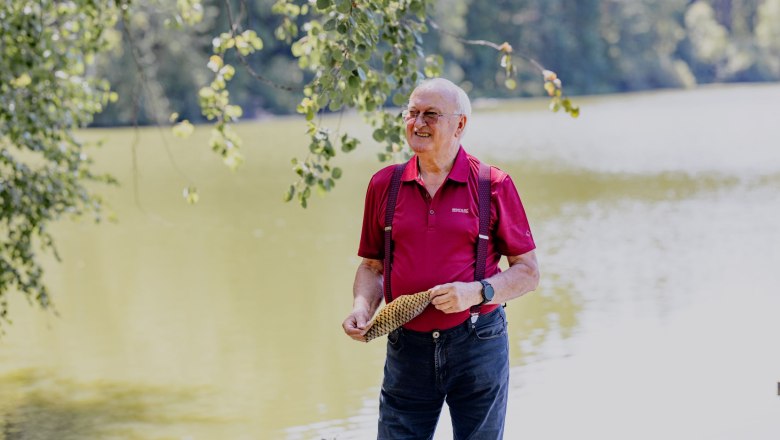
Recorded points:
436,238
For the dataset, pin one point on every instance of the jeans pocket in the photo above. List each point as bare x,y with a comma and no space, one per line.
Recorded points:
394,336
492,329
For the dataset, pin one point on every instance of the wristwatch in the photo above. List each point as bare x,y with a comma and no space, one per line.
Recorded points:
487,292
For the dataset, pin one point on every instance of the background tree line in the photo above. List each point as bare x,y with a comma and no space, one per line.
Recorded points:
602,46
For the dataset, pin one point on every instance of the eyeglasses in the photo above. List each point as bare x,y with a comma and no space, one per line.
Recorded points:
429,117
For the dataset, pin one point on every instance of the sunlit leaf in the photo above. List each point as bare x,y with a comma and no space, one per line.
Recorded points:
550,88
215,63
21,81
183,129
549,75
190,194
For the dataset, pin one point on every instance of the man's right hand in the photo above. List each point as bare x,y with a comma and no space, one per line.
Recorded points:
355,324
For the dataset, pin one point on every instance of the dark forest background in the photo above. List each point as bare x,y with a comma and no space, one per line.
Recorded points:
596,46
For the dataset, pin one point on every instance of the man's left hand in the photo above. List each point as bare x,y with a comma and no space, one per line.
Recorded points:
456,297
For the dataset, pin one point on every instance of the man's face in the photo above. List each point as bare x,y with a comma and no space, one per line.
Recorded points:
439,134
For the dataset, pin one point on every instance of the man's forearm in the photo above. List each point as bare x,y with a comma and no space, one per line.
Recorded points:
368,288
521,277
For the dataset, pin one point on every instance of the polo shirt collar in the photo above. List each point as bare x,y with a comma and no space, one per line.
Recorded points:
458,173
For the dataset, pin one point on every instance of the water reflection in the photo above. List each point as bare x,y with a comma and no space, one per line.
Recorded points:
36,405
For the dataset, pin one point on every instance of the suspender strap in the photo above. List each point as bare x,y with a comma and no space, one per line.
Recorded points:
395,185
483,190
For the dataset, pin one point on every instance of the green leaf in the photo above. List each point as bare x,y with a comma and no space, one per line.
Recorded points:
323,4
417,7
362,53
288,195
183,129
190,194
22,81
215,63
549,87
353,82
400,99
344,6
233,112
336,173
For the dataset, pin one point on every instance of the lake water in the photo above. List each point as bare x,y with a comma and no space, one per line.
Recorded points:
656,218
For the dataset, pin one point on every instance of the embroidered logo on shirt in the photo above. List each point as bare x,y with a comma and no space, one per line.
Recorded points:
461,210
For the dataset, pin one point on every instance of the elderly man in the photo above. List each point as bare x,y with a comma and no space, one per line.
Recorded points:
425,233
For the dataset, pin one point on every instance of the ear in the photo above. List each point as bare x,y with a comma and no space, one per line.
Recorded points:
461,125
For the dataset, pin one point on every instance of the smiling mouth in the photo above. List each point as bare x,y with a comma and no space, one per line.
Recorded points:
425,135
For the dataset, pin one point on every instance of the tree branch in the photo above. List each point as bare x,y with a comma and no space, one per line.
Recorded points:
505,47
136,106
235,27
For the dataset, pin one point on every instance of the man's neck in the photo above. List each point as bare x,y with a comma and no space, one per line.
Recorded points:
437,165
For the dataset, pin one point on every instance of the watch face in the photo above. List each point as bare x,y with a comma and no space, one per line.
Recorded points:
487,291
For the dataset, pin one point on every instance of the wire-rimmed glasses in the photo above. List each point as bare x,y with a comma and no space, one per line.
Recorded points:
430,117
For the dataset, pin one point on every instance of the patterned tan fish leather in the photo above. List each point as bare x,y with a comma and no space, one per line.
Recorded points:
400,311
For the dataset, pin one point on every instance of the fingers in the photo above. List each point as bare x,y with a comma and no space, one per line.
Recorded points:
351,326
446,301
358,336
437,291
355,326
450,298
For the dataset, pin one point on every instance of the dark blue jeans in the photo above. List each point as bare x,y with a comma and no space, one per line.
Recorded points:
466,366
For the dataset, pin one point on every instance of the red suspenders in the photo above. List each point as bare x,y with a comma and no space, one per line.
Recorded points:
483,190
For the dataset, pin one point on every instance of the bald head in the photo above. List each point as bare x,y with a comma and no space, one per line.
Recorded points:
449,89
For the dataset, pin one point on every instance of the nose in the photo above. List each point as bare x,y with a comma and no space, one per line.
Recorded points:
421,119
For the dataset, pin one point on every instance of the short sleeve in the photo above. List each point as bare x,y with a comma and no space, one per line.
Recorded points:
372,236
511,231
